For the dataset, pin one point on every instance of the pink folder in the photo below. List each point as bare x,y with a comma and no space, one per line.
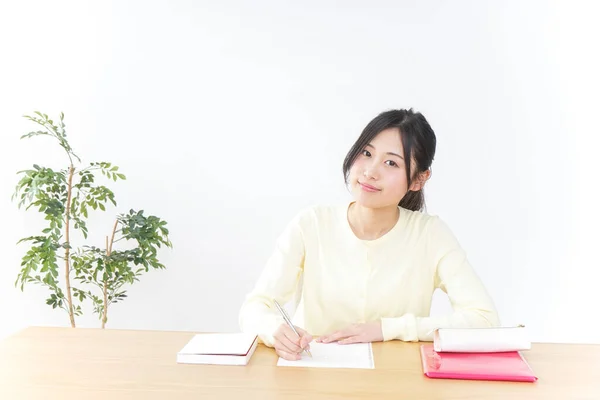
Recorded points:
505,366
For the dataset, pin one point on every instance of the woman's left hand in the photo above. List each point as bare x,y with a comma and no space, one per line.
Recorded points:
357,333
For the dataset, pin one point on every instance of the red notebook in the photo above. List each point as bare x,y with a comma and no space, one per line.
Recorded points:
505,366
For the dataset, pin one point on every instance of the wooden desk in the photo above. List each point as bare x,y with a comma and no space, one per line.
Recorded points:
88,364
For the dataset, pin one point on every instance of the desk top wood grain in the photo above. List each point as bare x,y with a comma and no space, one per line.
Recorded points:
66,363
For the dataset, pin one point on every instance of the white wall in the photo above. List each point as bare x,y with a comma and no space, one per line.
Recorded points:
229,117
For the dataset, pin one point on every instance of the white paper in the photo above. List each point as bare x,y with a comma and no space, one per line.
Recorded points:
334,355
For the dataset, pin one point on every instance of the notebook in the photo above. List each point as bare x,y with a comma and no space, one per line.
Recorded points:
481,340
496,366
334,355
218,348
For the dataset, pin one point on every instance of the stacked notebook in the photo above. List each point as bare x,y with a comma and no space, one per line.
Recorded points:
218,348
478,354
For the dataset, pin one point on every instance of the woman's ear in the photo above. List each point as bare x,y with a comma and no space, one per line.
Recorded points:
420,180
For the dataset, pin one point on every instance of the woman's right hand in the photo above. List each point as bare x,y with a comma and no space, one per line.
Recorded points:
288,345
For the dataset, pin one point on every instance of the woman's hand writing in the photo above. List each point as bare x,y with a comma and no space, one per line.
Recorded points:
288,345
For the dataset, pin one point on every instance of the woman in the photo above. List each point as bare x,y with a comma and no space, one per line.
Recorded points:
366,270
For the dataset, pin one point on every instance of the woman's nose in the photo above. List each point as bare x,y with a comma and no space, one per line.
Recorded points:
370,172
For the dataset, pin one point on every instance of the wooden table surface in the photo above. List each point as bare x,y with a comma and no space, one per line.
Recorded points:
66,363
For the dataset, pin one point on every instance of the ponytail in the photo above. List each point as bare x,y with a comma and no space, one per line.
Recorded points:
412,200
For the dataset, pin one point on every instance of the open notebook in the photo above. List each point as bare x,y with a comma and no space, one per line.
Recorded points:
334,355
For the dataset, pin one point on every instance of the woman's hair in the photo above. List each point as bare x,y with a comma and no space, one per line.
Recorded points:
418,140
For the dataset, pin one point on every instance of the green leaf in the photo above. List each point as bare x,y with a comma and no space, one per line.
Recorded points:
31,134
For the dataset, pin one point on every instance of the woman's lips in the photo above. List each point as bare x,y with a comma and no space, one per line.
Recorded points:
368,188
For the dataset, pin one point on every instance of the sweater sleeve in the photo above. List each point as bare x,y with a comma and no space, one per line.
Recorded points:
277,281
472,305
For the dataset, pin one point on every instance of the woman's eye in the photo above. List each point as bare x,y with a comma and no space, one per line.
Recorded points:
391,163
366,153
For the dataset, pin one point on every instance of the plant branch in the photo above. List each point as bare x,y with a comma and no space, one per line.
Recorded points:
68,247
62,145
105,289
112,239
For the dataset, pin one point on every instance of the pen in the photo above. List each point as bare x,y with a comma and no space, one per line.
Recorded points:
287,320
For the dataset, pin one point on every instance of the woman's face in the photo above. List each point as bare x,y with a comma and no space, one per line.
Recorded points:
378,176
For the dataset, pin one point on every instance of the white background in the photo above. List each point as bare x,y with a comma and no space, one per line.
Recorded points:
228,117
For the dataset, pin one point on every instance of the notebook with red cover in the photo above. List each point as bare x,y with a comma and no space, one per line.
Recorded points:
505,366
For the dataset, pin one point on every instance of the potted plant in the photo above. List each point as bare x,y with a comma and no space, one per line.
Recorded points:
98,274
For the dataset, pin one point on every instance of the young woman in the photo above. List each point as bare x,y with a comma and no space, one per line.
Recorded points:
366,270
